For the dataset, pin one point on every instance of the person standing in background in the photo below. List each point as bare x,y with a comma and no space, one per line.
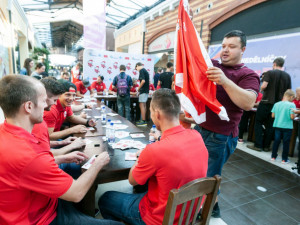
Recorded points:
28,65
76,74
165,79
156,77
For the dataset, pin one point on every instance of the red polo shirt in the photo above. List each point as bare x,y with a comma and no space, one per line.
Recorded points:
81,88
40,131
178,158
134,88
297,103
151,87
30,181
111,89
99,87
243,77
57,115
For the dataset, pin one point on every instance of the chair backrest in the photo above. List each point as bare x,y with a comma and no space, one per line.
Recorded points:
201,190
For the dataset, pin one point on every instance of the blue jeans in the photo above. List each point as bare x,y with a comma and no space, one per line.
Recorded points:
286,135
73,169
121,206
124,102
67,214
219,148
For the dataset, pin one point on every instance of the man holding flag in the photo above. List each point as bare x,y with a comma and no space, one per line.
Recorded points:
214,93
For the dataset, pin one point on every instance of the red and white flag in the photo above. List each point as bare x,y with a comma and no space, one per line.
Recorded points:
194,90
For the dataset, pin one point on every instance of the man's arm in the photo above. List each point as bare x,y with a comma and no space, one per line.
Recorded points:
244,99
77,119
264,85
76,144
130,177
81,186
158,83
66,132
273,115
141,85
73,157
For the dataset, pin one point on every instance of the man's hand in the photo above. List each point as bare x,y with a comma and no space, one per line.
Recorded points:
79,129
92,123
103,159
77,143
76,157
216,75
182,116
88,106
83,115
68,140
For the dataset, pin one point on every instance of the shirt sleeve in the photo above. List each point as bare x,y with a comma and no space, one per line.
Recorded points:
89,88
23,71
69,111
42,175
145,167
293,107
142,76
115,81
267,77
77,84
93,86
273,109
104,86
250,82
50,118
129,81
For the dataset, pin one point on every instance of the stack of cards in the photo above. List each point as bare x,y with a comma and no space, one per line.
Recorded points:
124,144
130,156
120,126
121,134
116,121
88,164
138,135
112,114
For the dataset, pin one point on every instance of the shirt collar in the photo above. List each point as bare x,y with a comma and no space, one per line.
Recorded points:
59,106
235,67
171,131
20,132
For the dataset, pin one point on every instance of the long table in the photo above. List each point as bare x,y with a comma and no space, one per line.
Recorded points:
117,169
133,99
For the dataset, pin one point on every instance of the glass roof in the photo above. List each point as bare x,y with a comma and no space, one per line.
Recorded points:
41,13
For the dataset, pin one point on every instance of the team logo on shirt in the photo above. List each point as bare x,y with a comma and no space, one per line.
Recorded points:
65,114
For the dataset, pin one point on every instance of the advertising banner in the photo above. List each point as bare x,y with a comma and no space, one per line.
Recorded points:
261,52
107,64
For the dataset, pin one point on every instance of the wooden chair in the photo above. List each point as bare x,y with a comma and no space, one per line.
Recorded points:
192,192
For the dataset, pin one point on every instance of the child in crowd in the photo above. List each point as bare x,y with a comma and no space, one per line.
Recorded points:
283,113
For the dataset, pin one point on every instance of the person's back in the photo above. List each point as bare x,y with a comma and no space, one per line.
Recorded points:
185,147
278,82
166,80
282,111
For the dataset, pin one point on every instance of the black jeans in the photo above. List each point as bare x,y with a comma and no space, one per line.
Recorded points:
263,117
243,126
286,135
68,214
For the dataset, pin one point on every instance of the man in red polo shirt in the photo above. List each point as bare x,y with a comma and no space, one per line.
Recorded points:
82,87
178,158
99,85
62,112
31,182
40,130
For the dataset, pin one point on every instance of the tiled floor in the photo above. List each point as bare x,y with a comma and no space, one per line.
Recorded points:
253,190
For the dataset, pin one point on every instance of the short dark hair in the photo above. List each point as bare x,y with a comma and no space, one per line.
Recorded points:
159,69
16,90
138,64
237,33
169,65
67,85
52,86
122,67
39,65
167,101
279,61
66,73
102,77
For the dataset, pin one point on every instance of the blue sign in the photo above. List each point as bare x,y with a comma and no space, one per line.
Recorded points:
261,52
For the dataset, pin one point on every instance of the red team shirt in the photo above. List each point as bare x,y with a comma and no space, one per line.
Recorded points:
57,115
31,181
111,89
297,103
134,88
99,87
81,88
189,162
40,131
151,87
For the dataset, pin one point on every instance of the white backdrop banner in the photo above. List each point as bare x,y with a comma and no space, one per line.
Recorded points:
107,64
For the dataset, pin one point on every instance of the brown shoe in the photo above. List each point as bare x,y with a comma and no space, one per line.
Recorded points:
253,147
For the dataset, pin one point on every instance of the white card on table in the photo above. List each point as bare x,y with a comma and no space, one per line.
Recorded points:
139,135
88,164
130,156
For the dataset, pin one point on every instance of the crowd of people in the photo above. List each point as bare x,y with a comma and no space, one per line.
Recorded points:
40,161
